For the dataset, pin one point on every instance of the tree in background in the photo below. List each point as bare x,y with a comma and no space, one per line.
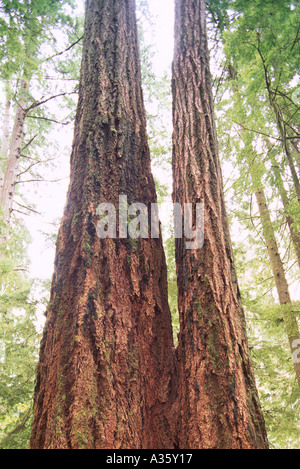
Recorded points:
29,55
27,29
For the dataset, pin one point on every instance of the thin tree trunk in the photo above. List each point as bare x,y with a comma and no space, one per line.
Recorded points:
281,127
10,175
219,406
5,139
106,361
295,235
290,320
285,143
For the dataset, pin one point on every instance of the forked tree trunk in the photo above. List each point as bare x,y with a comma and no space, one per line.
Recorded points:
106,360
219,406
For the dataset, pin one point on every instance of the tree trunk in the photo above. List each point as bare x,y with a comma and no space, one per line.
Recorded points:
290,320
219,406
282,287
10,175
107,361
5,139
283,135
295,236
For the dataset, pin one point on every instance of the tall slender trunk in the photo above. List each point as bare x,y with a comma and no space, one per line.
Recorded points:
294,232
219,406
106,361
283,135
5,139
294,145
290,320
10,175
291,325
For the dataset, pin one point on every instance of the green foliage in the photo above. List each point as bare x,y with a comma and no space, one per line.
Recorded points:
40,43
20,342
24,28
260,66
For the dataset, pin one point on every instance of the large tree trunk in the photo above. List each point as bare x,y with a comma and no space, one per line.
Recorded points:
106,360
219,406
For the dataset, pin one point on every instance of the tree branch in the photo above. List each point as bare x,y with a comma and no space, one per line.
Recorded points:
66,50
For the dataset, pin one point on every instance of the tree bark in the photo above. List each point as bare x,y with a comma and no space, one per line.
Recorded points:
106,363
219,405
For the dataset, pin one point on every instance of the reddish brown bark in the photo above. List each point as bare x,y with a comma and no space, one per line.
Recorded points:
218,401
106,360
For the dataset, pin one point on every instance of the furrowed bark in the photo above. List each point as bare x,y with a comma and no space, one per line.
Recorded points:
219,406
106,361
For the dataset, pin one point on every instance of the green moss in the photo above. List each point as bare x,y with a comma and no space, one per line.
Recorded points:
132,360
134,244
107,351
213,354
87,249
199,308
90,310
